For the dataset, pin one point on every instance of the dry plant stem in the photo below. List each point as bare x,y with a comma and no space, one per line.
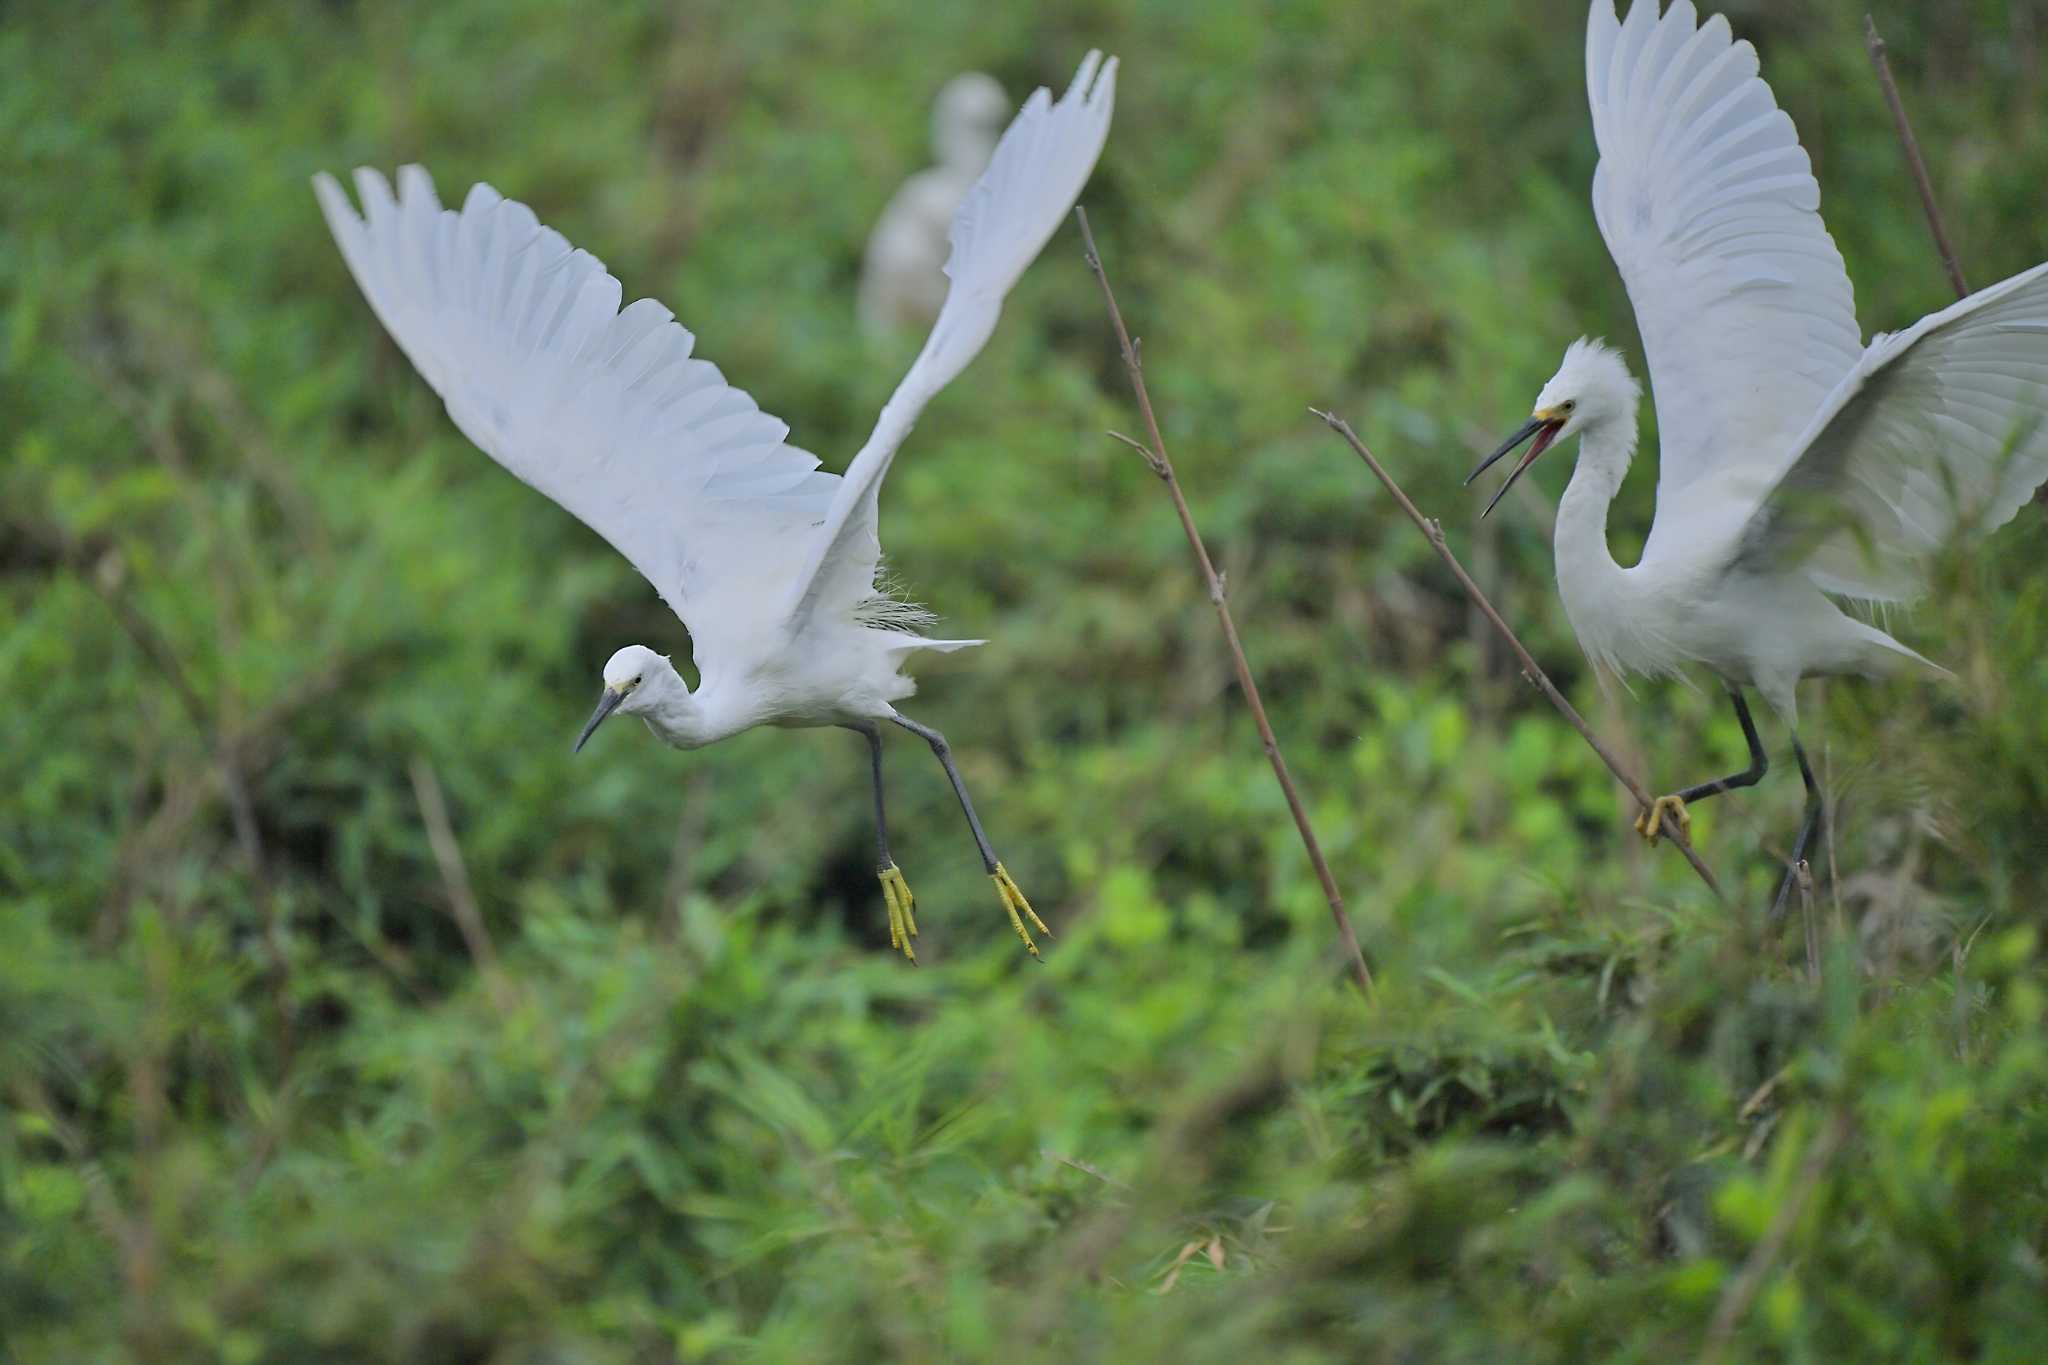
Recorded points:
1914,163
455,879
1085,1167
1741,1292
1434,532
1155,456
241,808
1918,166
1804,872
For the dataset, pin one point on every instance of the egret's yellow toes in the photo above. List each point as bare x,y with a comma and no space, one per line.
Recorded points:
1014,902
902,913
1650,824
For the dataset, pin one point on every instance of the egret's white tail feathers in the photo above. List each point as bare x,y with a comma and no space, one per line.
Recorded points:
1887,656
893,613
917,644
1037,171
889,607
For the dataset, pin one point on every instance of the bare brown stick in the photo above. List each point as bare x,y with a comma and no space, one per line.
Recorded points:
105,577
1914,163
1434,532
1804,873
1085,1167
1219,597
455,879
1749,1281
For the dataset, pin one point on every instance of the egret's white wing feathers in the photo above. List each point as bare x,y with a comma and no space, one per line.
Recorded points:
1039,167
1940,426
1709,207
603,410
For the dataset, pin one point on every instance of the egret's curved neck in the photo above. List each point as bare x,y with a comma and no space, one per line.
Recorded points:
1586,572
677,717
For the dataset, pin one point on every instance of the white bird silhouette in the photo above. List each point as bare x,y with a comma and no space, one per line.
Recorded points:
1797,465
773,565
903,281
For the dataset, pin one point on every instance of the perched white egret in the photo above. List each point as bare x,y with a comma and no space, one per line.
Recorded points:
1797,465
902,280
772,565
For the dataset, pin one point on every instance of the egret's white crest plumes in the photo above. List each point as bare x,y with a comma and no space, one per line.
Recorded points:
774,565
903,281
1593,382
1796,464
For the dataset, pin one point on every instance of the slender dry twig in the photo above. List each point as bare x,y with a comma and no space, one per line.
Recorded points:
105,575
1803,871
1959,957
1085,1167
455,879
1918,166
1741,1292
1155,456
1914,163
1178,1158
1433,531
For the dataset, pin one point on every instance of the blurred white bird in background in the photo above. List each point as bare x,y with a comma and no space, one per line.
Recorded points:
1797,464
773,565
903,281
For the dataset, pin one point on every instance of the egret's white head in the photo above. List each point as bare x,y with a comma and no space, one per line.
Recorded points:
634,679
967,118
1590,389
1592,386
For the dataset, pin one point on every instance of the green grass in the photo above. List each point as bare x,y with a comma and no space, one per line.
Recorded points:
260,1101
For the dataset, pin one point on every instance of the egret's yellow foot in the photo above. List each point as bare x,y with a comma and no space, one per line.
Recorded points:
902,916
1650,823
1013,902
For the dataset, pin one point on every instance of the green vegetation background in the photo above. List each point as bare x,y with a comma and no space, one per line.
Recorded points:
263,1102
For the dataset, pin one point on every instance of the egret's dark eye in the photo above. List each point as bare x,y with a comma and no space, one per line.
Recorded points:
1569,404
634,683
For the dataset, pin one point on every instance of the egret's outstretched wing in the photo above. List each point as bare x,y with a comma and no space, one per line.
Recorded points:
603,410
1940,426
1031,182
1710,209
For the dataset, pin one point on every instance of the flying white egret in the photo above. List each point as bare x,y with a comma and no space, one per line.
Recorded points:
1797,465
772,565
902,278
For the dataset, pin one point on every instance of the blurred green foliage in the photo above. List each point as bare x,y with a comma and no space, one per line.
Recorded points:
261,1100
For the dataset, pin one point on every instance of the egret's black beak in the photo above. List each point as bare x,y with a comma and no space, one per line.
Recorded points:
1544,427
606,704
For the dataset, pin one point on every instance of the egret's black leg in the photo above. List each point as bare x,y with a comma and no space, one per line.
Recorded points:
1759,762
1809,830
1651,821
873,735
1018,908
944,753
895,890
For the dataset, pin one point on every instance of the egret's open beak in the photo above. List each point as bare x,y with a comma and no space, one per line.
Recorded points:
1544,426
606,704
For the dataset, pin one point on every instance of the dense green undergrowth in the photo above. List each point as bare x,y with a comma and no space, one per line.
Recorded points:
263,1100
